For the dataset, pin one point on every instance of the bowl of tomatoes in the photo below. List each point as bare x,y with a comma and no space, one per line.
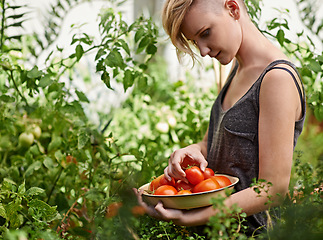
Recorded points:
196,192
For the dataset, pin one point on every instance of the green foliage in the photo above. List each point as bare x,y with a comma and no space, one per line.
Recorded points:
160,117
11,20
20,208
154,229
301,213
67,167
114,56
227,223
64,177
303,51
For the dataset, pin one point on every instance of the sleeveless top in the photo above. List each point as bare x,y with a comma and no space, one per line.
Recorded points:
232,146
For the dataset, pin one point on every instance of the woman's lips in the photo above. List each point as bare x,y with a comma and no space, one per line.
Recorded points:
216,55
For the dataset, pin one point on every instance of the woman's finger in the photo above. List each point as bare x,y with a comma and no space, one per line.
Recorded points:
167,214
150,210
169,172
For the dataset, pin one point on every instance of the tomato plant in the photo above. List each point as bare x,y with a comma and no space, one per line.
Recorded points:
61,181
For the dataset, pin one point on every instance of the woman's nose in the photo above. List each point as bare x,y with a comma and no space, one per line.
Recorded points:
204,50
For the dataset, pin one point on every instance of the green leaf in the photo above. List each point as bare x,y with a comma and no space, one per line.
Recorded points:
45,81
320,58
7,99
34,73
100,53
3,211
55,143
83,138
33,167
315,66
280,36
151,49
22,188
125,46
82,96
143,43
48,163
318,112
139,34
128,79
79,52
105,77
34,191
59,156
114,59
42,211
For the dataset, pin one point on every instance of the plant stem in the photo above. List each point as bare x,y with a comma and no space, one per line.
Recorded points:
16,87
54,185
2,25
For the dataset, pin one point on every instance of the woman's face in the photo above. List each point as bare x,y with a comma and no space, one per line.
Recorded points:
215,33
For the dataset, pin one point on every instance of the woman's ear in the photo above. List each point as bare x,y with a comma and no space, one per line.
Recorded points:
234,8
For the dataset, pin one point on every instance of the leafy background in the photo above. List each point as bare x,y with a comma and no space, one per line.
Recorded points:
74,179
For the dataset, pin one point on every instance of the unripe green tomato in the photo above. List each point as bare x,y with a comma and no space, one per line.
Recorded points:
26,139
117,174
36,131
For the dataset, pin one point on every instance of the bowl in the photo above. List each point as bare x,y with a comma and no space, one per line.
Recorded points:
194,200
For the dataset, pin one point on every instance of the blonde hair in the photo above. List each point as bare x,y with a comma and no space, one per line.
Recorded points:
172,17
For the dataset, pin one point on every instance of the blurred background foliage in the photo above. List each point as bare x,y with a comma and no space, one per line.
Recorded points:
64,175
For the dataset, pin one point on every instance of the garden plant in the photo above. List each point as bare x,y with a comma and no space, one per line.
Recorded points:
65,176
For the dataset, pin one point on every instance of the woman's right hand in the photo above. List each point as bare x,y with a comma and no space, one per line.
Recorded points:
191,155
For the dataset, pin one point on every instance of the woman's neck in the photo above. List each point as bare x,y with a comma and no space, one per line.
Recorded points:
256,49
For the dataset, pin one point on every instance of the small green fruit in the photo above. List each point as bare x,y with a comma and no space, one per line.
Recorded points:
117,174
26,139
36,131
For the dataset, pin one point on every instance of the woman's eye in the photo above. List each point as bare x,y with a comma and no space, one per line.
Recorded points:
205,33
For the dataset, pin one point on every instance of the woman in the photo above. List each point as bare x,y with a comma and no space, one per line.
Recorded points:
257,117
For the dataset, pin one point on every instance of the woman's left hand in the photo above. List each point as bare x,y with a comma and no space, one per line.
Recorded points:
158,211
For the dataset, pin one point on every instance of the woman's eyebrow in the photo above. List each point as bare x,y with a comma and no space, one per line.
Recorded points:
199,31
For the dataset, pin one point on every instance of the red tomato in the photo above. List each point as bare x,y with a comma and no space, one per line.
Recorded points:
206,185
194,175
155,183
113,209
184,192
208,173
222,180
138,211
165,190
159,181
164,181
181,185
188,162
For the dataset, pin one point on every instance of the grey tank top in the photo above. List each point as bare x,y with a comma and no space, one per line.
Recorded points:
233,135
